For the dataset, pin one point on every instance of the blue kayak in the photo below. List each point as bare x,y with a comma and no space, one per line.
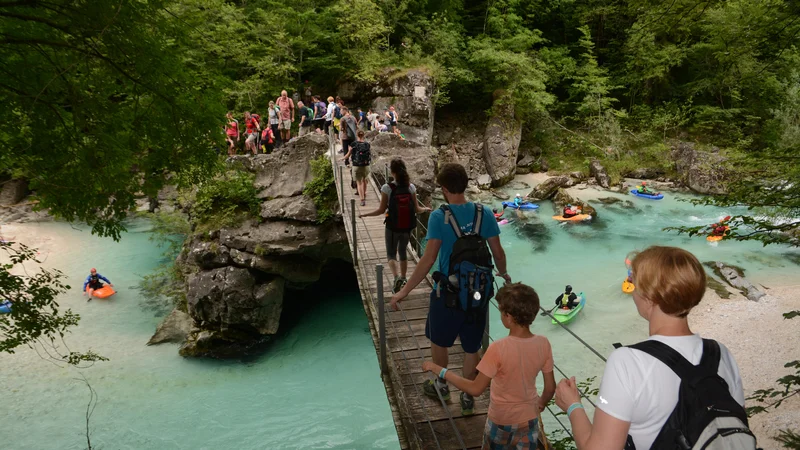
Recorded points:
5,307
525,205
658,196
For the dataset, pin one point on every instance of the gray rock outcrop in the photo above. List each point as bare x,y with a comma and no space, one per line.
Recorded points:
410,93
599,173
501,143
735,277
13,191
420,160
175,328
702,172
547,189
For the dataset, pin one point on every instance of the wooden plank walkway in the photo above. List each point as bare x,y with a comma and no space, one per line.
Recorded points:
421,422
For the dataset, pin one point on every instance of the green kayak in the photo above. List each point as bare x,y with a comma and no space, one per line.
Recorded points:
568,315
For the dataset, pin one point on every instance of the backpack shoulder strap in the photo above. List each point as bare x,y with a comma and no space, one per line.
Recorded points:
711,355
478,220
668,356
450,218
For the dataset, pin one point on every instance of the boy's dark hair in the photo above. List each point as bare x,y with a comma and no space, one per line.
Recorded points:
360,134
519,301
453,177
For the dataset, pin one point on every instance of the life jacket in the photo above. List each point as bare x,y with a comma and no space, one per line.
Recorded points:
94,278
564,300
401,215
469,283
361,154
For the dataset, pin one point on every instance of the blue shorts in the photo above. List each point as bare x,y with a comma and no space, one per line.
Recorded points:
445,324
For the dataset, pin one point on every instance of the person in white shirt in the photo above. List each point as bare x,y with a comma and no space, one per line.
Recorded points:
329,114
638,392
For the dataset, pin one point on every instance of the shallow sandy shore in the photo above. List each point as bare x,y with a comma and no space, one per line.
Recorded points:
761,341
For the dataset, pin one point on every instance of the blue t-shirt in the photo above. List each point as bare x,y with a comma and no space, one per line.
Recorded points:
464,214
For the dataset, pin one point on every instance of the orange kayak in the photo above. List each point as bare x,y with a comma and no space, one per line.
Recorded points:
718,238
627,287
578,218
104,292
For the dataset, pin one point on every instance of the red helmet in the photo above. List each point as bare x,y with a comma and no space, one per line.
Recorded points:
644,183
93,270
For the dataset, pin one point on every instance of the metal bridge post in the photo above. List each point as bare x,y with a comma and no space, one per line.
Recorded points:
355,241
381,319
485,340
386,174
341,188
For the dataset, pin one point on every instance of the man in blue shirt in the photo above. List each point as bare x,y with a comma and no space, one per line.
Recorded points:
93,281
445,324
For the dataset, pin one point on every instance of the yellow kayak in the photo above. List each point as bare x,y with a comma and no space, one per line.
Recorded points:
627,287
578,218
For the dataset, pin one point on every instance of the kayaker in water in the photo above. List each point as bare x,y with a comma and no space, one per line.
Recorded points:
571,211
721,228
519,200
93,281
499,216
643,189
568,299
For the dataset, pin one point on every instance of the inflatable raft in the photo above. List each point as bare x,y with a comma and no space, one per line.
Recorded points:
5,307
565,316
526,205
505,221
104,292
658,196
627,287
578,218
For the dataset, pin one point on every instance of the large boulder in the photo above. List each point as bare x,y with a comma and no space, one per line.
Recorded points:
501,144
174,328
295,269
548,187
702,172
276,238
286,171
734,276
645,173
599,173
231,297
13,192
419,159
410,93
300,208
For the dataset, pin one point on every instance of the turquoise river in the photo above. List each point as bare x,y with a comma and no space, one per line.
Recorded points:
317,385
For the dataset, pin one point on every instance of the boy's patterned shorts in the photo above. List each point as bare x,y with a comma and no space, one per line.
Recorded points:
510,437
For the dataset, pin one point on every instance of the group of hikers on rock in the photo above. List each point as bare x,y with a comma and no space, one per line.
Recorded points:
675,387
316,116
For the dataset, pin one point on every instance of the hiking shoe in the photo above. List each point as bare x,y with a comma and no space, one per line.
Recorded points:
363,203
429,388
398,284
467,404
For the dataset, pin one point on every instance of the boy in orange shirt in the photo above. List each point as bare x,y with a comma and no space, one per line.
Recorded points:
512,365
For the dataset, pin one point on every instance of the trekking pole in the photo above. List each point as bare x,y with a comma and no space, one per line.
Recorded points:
381,318
355,242
485,338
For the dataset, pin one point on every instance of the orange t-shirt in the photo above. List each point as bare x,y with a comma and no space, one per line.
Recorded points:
513,364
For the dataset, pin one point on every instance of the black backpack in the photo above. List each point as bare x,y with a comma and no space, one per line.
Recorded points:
350,128
361,153
337,112
401,215
469,282
706,416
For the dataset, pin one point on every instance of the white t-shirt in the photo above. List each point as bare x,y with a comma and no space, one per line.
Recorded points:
640,389
386,189
329,113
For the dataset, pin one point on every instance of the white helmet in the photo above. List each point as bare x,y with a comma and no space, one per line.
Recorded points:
519,195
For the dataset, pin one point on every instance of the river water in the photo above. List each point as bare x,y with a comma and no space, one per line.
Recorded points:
318,386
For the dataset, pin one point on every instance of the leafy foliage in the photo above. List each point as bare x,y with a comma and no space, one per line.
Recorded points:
164,288
224,200
322,188
36,319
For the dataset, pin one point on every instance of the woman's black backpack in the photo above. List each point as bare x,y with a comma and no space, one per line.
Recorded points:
706,416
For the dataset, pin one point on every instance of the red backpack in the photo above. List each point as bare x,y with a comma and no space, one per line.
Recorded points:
402,213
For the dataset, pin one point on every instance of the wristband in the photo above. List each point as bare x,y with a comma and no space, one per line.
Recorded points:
573,407
442,372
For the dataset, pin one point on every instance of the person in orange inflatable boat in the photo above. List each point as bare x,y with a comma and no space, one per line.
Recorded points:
93,281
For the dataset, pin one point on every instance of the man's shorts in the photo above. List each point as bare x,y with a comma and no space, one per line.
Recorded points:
361,173
287,124
304,130
445,324
251,137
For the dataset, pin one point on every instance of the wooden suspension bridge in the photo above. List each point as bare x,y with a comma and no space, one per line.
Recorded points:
399,336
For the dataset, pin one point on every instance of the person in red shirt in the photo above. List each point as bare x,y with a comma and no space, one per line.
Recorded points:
253,127
232,134
286,106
